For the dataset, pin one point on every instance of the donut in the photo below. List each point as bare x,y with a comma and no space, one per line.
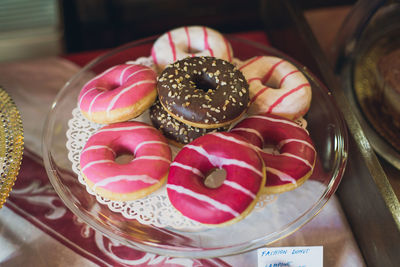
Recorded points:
234,198
177,133
276,87
203,92
297,155
190,41
118,94
145,173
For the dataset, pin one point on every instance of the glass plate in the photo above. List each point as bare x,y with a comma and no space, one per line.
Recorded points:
11,144
283,216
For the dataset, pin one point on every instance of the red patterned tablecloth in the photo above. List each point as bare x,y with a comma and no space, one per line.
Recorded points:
34,199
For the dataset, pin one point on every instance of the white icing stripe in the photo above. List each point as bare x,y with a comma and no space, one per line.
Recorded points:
93,101
240,188
96,162
281,175
121,77
99,147
189,168
152,158
115,98
286,141
83,96
219,161
138,71
234,140
104,73
100,75
298,158
129,128
131,178
88,91
249,130
218,205
276,120
148,143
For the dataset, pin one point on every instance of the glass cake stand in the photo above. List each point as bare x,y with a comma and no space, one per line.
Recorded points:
281,216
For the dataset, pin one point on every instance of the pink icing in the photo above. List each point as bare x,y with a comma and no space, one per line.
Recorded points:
291,94
206,43
268,74
228,49
172,45
189,46
283,79
154,55
250,62
297,153
151,161
285,95
244,178
118,87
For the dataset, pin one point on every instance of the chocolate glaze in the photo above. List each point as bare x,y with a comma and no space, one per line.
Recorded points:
173,129
203,90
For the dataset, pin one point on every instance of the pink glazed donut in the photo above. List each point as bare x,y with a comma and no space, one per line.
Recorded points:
231,201
276,87
120,93
190,41
125,181
295,163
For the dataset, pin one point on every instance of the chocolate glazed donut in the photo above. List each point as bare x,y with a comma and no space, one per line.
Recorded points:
177,133
203,92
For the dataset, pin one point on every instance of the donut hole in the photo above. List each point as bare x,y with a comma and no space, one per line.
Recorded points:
215,178
271,149
124,157
192,50
113,86
204,82
272,83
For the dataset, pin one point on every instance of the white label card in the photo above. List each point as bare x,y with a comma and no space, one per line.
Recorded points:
290,256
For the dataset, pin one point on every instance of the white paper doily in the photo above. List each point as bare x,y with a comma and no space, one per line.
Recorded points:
154,209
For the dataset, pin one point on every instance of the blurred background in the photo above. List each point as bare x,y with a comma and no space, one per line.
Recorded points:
37,28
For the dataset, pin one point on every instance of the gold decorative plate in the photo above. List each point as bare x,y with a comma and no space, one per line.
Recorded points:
11,144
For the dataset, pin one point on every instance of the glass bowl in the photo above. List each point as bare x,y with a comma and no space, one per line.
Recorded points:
370,32
280,217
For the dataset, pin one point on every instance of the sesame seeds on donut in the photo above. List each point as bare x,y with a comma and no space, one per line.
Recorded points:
203,92
175,131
